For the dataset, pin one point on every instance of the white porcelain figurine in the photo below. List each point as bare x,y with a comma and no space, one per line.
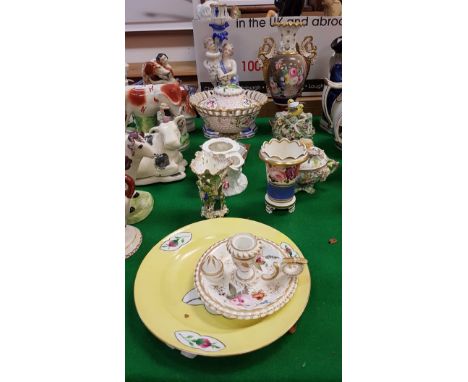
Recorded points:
168,165
136,148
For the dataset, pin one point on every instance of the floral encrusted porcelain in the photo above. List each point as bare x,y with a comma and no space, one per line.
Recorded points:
198,341
293,123
175,242
316,169
258,277
236,181
212,173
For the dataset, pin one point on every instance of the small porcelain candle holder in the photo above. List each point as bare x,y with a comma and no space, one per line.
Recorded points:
282,159
244,249
229,148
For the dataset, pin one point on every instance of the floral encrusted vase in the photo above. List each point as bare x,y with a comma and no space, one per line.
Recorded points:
211,172
285,70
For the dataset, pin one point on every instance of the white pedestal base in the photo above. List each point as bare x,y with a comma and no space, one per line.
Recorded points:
132,240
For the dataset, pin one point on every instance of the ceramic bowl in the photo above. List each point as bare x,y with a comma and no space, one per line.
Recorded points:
231,113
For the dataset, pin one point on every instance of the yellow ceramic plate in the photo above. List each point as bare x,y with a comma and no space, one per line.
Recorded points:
170,308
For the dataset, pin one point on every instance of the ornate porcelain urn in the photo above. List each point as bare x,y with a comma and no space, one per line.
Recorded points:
285,69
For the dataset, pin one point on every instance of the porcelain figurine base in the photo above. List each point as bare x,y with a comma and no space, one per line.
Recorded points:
140,207
132,240
160,179
239,187
244,134
309,188
213,214
271,205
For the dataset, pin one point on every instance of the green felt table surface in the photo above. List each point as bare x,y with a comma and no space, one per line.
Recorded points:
313,353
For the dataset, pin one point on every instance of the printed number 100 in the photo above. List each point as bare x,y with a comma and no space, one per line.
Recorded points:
251,66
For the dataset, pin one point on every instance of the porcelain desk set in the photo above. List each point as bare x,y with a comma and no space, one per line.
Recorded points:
246,277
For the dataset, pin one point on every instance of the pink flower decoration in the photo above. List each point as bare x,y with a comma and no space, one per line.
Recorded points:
172,243
293,72
277,175
206,343
238,300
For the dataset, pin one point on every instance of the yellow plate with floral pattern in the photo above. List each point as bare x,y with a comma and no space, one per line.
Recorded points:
171,309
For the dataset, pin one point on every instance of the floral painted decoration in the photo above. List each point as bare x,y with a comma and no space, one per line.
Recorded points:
282,174
176,241
244,298
197,341
288,249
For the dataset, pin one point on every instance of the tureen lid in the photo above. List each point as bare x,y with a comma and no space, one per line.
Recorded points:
317,157
228,97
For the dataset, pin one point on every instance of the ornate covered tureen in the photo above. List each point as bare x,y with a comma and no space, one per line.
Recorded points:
316,169
227,110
